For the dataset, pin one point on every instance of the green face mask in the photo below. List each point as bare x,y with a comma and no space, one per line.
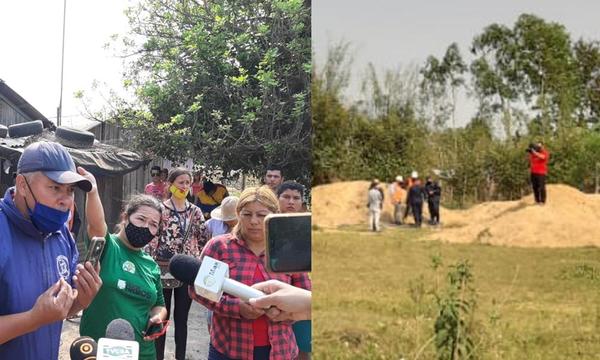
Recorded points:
178,193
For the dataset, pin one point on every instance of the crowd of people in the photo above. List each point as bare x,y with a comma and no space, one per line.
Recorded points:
42,281
407,197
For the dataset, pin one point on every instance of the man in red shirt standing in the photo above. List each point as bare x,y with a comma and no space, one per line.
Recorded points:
538,163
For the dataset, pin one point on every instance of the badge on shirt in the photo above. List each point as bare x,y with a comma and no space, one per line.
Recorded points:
129,267
121,284
62,265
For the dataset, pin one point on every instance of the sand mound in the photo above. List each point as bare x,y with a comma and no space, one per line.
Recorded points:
570,218
344,203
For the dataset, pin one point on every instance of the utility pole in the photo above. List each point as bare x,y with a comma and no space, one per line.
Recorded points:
62,67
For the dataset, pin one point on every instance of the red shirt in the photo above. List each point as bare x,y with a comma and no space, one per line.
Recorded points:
260,325
539,166
158,191
231,334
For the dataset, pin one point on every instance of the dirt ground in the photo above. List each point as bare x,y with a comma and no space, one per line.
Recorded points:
197,344
570,218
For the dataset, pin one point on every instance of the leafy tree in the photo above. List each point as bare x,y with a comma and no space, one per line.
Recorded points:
496,77
223,82
587,56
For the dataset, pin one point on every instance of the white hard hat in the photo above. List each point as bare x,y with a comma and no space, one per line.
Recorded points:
414,175
399,178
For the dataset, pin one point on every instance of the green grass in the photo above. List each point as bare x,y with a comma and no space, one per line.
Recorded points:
373,297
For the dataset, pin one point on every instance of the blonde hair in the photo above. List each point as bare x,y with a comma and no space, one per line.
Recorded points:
262,195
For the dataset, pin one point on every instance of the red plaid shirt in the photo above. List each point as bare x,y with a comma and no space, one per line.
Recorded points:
231,334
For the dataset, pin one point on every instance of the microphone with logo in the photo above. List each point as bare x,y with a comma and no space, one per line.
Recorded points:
83,348
210,278
119,342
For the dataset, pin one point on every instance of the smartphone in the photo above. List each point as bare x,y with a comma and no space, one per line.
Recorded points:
95,250
288,242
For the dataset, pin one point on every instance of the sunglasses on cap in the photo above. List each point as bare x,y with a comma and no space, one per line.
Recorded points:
155,331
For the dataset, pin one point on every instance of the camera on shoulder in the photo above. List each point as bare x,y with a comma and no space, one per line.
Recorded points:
530,148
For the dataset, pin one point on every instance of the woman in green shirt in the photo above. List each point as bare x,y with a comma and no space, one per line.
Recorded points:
131,287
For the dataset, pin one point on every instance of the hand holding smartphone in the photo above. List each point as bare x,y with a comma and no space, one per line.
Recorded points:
288,244
95,250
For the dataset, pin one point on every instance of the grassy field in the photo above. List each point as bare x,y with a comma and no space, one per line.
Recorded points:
374,297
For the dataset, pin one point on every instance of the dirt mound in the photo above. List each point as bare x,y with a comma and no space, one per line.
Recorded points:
345,203
570,218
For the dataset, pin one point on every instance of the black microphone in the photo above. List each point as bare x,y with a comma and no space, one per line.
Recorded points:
120,329
83,348
184,268
210,278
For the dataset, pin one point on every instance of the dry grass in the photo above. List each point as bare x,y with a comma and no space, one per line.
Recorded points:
533,303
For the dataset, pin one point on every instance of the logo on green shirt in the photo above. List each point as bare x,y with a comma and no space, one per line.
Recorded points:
121,284
129,267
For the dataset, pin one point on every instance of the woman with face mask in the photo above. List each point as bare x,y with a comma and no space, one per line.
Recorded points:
131,287
184,233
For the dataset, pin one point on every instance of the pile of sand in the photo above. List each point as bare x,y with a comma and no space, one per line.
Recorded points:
570,218
344,203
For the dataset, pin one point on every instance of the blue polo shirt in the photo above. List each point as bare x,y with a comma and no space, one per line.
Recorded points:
31,262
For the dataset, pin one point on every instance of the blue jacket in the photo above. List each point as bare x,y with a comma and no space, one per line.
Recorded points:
31,262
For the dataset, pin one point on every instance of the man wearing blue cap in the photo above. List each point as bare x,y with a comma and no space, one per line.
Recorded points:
40,280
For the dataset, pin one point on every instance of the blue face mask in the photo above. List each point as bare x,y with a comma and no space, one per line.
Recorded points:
45,218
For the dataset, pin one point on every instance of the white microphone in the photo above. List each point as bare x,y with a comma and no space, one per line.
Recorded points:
119,343
210,278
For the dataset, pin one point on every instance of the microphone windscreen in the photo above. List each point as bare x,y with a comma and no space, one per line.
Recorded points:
120,329
184,268
83,348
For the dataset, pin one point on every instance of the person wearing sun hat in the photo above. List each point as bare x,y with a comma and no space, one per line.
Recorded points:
223,218
375,204
41,282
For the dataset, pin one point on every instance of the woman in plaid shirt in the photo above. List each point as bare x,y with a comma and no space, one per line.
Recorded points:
240,331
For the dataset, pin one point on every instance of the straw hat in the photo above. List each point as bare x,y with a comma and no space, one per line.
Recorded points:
226,212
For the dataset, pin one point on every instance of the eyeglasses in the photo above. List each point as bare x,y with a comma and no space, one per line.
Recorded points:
151,336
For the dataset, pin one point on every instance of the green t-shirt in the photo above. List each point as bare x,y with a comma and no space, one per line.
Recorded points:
131,287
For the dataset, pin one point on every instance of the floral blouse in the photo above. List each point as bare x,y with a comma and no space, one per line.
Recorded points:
175,226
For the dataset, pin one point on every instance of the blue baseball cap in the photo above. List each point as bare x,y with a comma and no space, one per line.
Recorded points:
54,161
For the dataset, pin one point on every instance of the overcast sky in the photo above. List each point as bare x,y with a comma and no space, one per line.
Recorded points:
31,33
393,33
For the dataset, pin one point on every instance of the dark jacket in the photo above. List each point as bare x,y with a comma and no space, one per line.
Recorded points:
433,191
416,194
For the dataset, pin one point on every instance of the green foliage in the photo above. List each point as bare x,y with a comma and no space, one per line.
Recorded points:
453,327
531,82
223,82
352,143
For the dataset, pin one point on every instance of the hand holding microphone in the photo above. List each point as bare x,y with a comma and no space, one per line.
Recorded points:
295,303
